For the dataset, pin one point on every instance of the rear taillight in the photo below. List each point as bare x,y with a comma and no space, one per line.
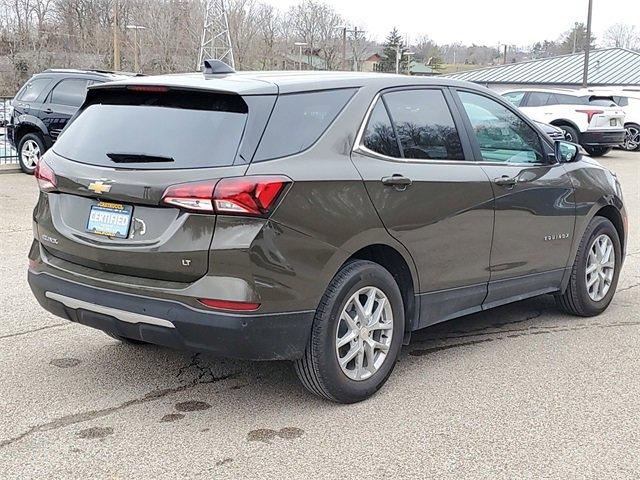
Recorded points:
252,195
590,113
45,176
195,196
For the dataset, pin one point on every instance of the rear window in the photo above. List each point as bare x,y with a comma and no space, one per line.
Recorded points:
298,120
147,130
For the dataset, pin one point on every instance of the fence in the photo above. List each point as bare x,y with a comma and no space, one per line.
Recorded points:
8,154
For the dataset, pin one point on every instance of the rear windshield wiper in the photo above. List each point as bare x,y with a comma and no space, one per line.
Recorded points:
137,158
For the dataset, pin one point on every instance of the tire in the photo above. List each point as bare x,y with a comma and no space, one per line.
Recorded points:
570,134
130,341
319,369
632,137
597,151
577,299
34,143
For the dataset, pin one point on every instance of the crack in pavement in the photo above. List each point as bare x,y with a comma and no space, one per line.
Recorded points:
26,332
515,333
75,418
635,285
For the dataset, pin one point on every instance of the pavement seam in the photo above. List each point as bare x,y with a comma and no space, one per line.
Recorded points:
46,327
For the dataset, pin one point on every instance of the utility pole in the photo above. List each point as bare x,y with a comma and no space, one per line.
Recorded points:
136,46
585,74
575,36
116,39
504,58
344,48
216,40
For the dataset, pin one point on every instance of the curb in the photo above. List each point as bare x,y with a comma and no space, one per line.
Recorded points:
10,168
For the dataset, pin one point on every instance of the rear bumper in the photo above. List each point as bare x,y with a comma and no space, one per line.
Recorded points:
608,138
172,324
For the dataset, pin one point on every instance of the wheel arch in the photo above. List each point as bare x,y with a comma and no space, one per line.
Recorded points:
395,263
564,122
612,214
28,126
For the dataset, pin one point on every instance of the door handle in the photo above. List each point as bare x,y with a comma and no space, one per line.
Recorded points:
396,180
506,181
48,110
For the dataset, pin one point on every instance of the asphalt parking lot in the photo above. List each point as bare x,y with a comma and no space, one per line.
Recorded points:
522,391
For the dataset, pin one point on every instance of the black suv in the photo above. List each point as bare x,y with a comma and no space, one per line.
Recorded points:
315,217
44,105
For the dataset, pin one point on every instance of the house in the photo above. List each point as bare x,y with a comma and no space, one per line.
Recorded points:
422,69
608,67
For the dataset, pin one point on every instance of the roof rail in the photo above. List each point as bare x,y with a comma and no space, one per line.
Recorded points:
216,67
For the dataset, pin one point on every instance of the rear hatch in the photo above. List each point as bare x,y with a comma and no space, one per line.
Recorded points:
603,114
115,161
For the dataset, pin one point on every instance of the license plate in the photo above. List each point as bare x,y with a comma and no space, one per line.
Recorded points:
613,122
110,219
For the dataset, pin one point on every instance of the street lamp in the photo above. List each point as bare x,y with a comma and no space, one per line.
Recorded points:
135,28
300,45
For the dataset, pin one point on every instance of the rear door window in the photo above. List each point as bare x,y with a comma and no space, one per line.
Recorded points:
33,89
298,120
538,99
70,92
148,130
424,125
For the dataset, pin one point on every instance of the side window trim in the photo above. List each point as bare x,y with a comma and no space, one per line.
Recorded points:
393,126
474,142
458,120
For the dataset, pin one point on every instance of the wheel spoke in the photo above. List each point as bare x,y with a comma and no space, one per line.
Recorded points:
351,323
378,345
371,298
350,335
350,355
375,318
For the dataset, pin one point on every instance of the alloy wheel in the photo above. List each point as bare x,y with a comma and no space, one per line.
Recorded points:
30,153
632,138
364,333
601,265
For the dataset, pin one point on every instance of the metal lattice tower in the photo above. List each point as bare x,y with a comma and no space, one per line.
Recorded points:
216,41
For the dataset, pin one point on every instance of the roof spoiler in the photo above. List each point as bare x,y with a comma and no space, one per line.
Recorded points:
216,67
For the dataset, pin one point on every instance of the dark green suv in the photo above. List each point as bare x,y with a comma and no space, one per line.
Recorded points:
315,217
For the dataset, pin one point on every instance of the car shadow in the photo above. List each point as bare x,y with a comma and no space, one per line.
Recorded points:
268,380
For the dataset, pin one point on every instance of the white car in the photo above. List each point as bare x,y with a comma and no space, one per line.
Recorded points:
629,100
590,119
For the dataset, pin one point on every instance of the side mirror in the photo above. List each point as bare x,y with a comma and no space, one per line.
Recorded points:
566,152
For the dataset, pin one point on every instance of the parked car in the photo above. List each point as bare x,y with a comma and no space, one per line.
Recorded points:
319,218
593,121
44,105
555,133
629,100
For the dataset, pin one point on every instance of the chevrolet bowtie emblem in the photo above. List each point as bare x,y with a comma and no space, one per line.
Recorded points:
99,187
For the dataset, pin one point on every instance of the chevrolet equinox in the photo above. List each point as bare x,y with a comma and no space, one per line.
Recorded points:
319,217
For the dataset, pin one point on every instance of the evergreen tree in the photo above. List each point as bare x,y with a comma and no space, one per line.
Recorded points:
392,45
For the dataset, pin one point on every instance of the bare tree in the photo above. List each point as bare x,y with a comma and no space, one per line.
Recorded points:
622,35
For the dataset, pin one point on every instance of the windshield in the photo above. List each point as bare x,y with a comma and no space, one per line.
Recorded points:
155,134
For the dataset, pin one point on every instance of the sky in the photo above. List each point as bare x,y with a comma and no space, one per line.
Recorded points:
489,22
